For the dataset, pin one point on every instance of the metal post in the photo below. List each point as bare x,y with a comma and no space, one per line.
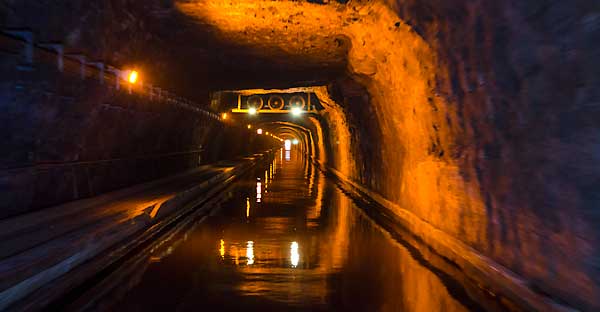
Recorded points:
81,59
117,73
158,93
151,92
59,50
26,36
100,67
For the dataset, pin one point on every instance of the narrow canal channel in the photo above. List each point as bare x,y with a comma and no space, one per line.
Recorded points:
288,239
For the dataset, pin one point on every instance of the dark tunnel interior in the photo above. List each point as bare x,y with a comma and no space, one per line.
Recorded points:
473,125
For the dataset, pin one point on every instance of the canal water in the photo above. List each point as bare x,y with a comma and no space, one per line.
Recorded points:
288,239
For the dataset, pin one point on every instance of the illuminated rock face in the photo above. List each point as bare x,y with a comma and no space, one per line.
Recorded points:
479,117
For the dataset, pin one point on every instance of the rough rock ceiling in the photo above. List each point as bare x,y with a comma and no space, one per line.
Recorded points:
304,33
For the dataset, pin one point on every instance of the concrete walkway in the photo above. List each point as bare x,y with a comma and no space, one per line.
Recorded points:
39,247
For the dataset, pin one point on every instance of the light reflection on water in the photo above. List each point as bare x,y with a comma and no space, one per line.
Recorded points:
294,255
222,249
306,247
250,252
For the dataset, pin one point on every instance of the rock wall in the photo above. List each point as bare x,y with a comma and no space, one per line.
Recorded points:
67,138
488,117
477,117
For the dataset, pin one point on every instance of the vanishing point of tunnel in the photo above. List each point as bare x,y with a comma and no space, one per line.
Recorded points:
299,155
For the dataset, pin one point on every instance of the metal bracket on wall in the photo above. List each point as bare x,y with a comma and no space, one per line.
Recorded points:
27,37
81,59
59,50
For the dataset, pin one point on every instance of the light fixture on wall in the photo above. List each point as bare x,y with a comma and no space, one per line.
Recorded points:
296,111
132,77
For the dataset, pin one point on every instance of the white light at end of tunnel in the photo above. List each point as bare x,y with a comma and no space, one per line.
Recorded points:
288,145
294,254
259,131
296,111
252,111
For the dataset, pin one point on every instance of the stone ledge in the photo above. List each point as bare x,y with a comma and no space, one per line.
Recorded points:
477,267
49,261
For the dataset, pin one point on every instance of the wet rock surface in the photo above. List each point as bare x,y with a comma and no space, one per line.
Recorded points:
480,118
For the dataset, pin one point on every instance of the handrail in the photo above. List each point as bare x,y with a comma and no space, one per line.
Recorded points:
21,41
54,164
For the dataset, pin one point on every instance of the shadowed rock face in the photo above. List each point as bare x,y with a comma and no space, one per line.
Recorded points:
479,117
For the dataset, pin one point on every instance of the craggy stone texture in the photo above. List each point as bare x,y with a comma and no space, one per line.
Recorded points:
479,117
501,150
164,45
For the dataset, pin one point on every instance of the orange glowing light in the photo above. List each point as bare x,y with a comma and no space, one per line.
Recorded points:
224,116
133,77
222,249
249,126
247,207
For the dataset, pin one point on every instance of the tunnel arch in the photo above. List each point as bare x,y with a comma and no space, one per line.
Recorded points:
431,154
456,126
301,133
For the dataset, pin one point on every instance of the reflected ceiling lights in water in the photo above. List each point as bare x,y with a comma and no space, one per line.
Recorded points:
287,155
222,249
250,252
258,191
294,254
247,207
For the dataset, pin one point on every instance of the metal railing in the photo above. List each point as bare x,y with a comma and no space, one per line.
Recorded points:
21,42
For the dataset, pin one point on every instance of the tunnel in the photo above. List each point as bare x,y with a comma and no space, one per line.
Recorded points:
300,155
